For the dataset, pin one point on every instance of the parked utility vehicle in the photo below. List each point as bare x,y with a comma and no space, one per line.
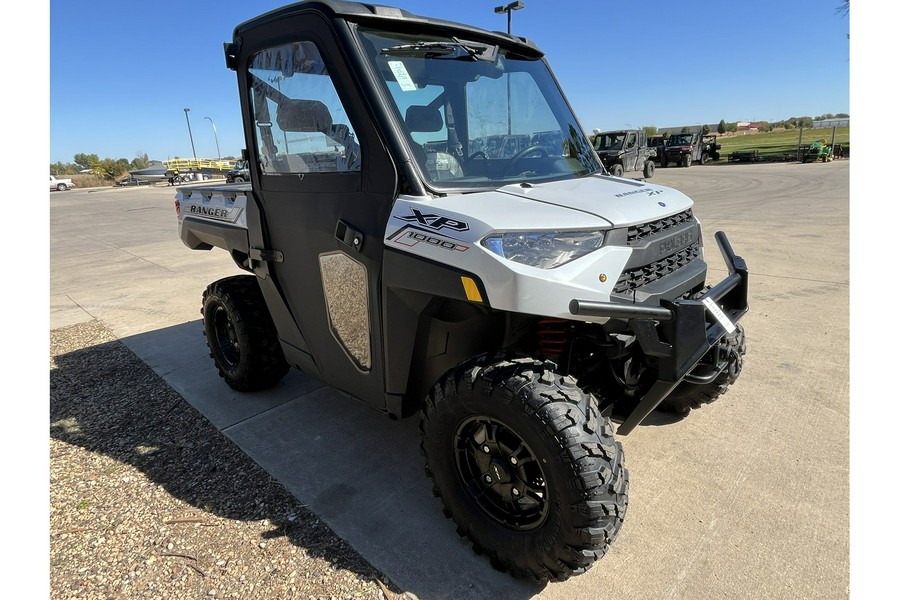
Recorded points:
684,149
514,304
239,173
625,151
658,144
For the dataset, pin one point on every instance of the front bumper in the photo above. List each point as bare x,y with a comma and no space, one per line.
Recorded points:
678,333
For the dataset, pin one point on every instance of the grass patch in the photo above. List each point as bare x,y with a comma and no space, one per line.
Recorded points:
781,142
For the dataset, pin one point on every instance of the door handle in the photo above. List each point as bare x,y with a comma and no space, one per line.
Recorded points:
349,236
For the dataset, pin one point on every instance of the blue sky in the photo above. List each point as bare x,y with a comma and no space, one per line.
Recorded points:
121,74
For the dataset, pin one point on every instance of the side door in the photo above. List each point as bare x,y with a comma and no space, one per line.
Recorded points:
323,185
629,161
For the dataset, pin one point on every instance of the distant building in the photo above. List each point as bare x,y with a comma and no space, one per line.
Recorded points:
829,123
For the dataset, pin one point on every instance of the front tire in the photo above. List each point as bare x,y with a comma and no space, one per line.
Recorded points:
241,336
649,169
687,396
686,161
61,187
526,466
616,170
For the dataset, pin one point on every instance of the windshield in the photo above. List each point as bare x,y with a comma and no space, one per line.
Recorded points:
609,141
477,116
679,139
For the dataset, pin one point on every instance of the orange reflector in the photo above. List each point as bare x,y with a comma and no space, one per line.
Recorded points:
471,288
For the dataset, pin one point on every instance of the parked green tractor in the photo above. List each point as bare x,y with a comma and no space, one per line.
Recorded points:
819,150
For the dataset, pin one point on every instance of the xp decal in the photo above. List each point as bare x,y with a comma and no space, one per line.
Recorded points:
433,221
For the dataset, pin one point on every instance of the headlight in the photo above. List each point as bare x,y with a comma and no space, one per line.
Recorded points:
543,249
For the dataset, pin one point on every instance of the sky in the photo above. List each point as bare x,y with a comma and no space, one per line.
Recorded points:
121,74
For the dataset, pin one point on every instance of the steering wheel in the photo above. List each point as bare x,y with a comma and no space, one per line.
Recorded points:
476,155
520,155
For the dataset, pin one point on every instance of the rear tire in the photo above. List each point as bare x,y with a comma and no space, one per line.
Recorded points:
239,180
241,336
526,466
649,169
688,396
61,187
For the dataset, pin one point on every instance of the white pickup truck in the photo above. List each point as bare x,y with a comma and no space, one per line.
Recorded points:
60,184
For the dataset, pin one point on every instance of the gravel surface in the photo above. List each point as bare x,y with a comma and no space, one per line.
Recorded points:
149,500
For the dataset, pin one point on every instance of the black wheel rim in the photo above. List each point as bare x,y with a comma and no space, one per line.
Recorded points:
501,473
226,338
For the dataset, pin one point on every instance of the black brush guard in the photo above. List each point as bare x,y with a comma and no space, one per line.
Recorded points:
678,332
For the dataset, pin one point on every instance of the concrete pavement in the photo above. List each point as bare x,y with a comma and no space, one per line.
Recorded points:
748,497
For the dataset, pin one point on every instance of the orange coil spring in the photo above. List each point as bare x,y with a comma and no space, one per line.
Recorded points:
551,337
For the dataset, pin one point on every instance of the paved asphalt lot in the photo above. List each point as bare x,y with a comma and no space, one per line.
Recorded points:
746,498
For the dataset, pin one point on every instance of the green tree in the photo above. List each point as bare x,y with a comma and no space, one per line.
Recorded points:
87,161
141,161
650,130
60,168
721,128
705,130
109,168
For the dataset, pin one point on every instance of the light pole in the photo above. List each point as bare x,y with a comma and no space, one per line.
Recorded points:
186,118
219,154
508,11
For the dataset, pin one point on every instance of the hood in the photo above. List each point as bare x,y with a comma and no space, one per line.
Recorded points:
588,202
620,201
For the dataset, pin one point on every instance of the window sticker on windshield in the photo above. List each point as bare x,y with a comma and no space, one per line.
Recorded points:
402,76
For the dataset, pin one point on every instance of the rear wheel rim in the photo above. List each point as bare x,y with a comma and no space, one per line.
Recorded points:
226,338
500,473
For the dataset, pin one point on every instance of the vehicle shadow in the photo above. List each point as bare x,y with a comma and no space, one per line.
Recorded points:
293,455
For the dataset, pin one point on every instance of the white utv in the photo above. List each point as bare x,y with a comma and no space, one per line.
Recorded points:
514,303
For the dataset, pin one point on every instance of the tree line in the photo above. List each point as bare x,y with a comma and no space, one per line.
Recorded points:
791,123
764,126
107,168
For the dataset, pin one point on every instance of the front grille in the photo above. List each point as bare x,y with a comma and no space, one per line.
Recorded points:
633,279
636,233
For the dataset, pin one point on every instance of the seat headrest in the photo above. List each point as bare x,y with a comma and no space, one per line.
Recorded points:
303,116
424,119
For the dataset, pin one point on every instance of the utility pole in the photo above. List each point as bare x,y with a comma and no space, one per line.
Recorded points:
186,118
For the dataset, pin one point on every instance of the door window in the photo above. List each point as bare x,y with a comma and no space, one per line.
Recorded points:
300,123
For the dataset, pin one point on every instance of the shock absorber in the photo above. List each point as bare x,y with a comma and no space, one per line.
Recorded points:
551,335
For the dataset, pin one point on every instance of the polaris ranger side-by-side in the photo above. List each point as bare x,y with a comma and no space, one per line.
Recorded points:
624,151
515,304
684,149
